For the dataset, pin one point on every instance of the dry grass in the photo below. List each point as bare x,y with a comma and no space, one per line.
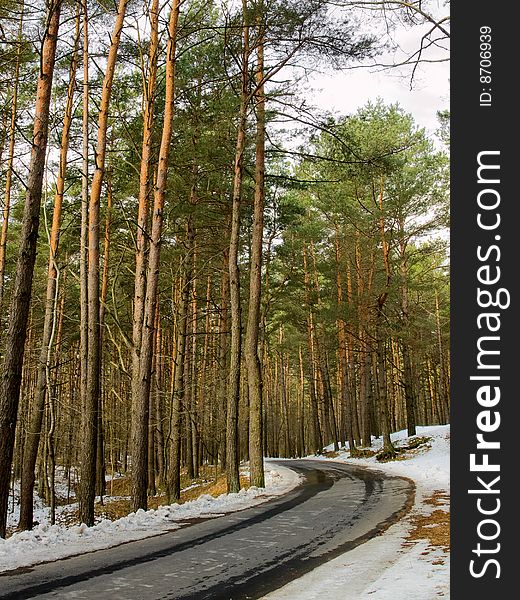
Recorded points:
116,508
362,453
121,486
117,502
438,498
435,527
214,488
330,453
416,442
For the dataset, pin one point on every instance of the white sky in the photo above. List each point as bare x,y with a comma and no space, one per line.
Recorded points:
347,91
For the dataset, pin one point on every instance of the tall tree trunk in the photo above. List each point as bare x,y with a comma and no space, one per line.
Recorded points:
364,286
174,468
346,402
100,454
364,390
329,418
233,478
42,384
158,404
288,452
83,259
142,240
381,300
193,363
254,368
152,415
302,445
443,370
407,376
21,295
205,408
92,395
317,436
409,392
141,405
351,367
223,337
188,356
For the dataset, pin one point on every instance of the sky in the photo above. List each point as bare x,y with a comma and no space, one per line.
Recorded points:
345,92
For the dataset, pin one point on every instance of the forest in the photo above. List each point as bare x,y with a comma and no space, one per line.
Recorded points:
198,267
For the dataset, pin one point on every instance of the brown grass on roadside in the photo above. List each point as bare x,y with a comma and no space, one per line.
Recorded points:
120,507
434,527
330,453
362,453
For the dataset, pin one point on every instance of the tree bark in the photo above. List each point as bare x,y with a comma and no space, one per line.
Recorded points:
93,387
346,401
381,300
254,368
35,423
21,295
223,337
317,436
83,260
140,412
174,469
141,249
232,460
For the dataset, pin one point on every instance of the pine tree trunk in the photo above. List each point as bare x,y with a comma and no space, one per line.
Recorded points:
35,424
83,259
409,393
141,404
142,235
158,404
381,301
351,367
232,459
443,369
21,294
223,337
254,368
345,402
100,454
93,387
174,468
317,436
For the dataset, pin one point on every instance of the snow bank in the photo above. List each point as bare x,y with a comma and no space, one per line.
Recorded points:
51,542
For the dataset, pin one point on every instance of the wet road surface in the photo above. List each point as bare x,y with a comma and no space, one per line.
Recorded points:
241,555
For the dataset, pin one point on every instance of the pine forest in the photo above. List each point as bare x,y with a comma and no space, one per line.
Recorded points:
199,267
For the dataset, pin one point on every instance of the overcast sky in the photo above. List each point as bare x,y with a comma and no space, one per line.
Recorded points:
347,91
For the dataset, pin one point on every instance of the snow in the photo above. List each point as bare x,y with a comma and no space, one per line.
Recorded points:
389,566
52,542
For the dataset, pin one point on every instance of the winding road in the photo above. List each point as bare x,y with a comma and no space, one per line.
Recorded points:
237,556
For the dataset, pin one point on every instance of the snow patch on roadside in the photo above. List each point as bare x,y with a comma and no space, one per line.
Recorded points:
51,542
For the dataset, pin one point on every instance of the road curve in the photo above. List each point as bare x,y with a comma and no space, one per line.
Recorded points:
237,556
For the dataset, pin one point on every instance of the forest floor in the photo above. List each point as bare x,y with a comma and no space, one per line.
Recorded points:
410,560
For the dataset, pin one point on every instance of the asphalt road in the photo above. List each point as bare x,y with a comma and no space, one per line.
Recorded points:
241,555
